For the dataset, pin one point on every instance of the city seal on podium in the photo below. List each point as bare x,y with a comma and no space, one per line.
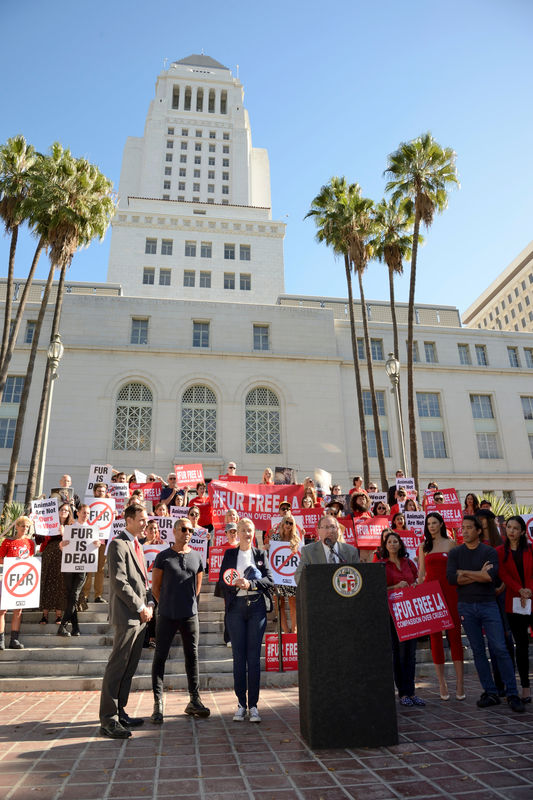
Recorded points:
347,581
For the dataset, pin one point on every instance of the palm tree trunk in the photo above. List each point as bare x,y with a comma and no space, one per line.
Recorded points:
410,340
37,442
393,314
13,466
362,426
18,319
370,370
9,293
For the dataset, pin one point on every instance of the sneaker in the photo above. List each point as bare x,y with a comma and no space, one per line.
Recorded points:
486,700
516,703
228,644
406,701
417,701
240,714
14,644
100,600
254,715
195,708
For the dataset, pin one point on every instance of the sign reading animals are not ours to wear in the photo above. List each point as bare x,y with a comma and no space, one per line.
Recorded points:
45,517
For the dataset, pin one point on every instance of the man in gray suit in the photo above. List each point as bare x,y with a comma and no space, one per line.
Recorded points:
128,613
328,550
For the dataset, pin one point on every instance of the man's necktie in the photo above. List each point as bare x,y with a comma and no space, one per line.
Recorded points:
140,559
332,558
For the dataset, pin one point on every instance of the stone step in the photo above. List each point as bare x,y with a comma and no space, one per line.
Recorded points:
100,652
95,667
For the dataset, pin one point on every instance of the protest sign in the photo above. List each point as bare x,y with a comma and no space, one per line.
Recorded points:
450,510
151,490
118,526
283,563
378,497
349,530
405,483
258,502
419,610
235,478
151,552
81,553
45,517
188,475
216,554
121,493
140,477
415,520
101,513
528,519
199,544
284,476
323,481
219,538
412,541
178,512
99,473
368,531
21,584
165,526
289,649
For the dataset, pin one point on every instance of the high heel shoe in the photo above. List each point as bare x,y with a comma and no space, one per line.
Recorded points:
460,696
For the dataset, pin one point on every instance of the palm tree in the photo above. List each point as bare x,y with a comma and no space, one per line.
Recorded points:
421,172
74,204
16,159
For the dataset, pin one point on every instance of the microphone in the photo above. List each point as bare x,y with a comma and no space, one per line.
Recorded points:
331,544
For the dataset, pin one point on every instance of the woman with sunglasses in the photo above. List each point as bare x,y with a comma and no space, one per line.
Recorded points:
287,531
176,583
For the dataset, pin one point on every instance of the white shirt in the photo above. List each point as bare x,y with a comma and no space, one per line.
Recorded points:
327,551
244,559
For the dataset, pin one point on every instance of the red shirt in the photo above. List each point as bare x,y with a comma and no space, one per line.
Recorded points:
17,548
407,572
204,507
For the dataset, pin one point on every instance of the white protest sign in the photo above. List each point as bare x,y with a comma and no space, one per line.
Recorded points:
21,585
151,552
378,497
99,473
45,517
199,544
177,512
528,519
165,525
121,493
415,520
140,477
405,483
81,553
118,526
102,513
283,563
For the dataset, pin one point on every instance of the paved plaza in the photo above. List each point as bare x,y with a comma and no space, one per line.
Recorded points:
50,749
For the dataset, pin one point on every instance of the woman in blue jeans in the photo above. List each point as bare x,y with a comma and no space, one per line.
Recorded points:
245,580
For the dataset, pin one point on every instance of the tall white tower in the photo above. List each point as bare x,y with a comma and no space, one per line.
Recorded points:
194,218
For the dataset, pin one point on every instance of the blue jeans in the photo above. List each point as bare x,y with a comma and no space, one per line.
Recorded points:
246,625
485,617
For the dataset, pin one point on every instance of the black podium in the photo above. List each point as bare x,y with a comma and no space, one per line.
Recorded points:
344,657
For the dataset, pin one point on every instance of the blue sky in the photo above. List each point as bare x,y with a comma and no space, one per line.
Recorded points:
331,89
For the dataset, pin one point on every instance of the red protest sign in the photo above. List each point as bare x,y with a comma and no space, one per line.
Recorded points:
419,610
289,649
412,540
188,475
216,554
258,502
151,491
349,531
235,478
368,531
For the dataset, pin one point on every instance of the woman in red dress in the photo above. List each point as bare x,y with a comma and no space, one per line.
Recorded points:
432,560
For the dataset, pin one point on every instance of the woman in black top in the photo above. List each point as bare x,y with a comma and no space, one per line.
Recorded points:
176,583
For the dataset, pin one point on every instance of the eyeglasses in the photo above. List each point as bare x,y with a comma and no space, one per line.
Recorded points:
172,478
186,530
287,522
232,467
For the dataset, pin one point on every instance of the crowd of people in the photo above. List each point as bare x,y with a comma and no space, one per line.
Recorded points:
485,574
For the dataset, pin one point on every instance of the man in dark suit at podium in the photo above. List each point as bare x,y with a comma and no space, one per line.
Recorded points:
328,550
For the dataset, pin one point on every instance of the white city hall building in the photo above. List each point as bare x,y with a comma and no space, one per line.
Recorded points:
193,353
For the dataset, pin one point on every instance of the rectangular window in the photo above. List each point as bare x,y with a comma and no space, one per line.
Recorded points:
516,291
197,146
30,330
225,190
170,131
184,145
433,444
487,445
530,438
430,352
181,186
229,252
164,277
168,170
212,148
206,249
229,280
166,247
7,432
225,136
367,403
183,159
371,442
528,355
150,246
428,404
225,176
168,157
225,162
170,144
13,389
148,276
225,148
190,249
211,162
261,337
527,407
166,197
196,187
464,354
205,280
166,184
212,135
196,173
245,252
416,355
245,281
183,172
189,277
361,350
377,349
210,174
198,133
481,355
481,406
211,188
200,334
184,131
512,352
139,331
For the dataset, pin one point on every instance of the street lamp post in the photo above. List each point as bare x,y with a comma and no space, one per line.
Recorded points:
392,367
54,355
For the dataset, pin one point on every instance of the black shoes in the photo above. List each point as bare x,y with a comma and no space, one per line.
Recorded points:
129,722
100,599
486,700
114,730
157,716
196,708
14,644
516,704
62,631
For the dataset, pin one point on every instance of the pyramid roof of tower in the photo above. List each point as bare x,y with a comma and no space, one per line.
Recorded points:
200,61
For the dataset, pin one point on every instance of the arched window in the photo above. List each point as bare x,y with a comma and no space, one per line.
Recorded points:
133,418
198,420
262,421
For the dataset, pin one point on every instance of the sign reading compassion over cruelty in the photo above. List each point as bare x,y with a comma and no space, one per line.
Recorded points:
216,554
45,517
258,502
81,552
419,610
188,475
99,473
21,583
